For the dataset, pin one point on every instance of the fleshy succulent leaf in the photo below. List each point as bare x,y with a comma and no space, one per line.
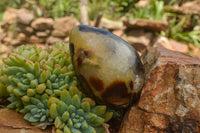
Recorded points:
76,101
65,116
99,110
42,85
85,106
61,107
40,88
53,111
107,116
58,122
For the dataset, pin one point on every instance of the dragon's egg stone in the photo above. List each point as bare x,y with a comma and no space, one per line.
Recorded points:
108,68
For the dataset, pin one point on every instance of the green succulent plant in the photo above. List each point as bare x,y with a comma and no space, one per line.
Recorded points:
36,109
30,73
77,114
3,92
42,85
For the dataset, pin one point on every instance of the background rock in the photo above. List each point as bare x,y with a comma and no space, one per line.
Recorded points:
10,16
43,33
58,33
111,25
42,24
54,40
4,51
192,5
22,16
25,17
64,25
139,39
152,25
172,44
35,39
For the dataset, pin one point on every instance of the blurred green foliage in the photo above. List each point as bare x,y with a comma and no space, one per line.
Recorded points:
112,9
96,6
54,8
60,8
45,8
154,11
10,3
121,7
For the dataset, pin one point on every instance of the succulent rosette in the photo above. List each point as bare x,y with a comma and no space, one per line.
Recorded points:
36,110
77,114
31,75
30,70
42,85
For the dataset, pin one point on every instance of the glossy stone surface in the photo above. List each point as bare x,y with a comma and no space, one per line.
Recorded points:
108,68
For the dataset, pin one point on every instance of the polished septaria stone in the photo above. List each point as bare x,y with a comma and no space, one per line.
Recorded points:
108,68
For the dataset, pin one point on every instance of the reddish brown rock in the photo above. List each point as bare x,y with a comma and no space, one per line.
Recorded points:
133,121
170,99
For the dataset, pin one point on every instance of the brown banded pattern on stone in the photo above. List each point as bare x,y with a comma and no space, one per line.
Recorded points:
109,67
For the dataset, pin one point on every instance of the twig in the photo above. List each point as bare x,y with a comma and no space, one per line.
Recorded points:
98,19
105,127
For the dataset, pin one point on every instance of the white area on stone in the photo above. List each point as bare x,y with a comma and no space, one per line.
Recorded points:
157,97
181,111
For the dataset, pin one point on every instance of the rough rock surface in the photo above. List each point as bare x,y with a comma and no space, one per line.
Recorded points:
170,99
